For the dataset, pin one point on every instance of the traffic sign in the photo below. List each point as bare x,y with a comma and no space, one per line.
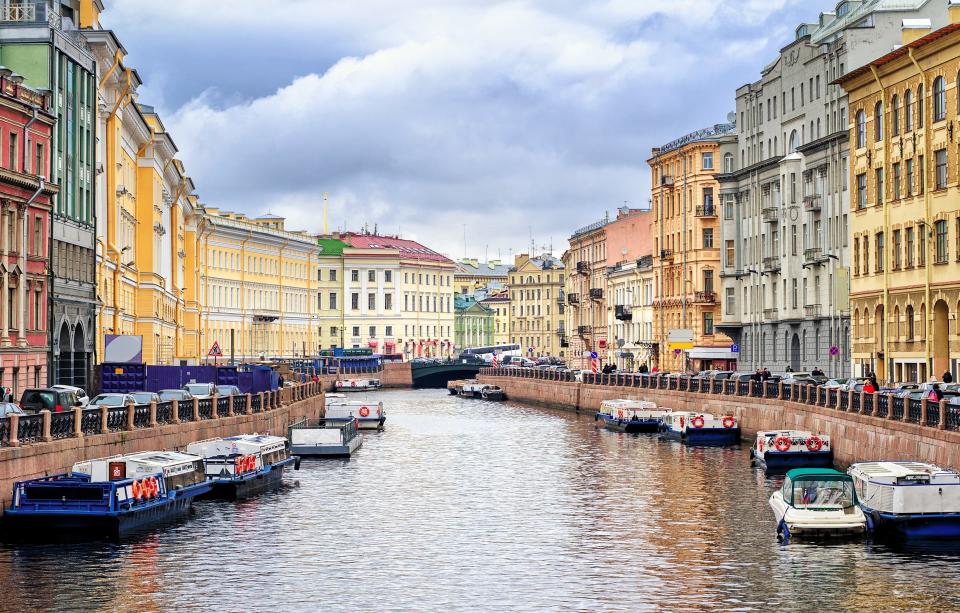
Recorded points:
593,355
734,348
834,350
215,351
679,345
677,351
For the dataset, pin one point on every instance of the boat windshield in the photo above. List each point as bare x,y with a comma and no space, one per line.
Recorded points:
823,493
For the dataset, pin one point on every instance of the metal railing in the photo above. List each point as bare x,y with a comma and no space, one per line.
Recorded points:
205,408
914,410
91,421
62,424
116,418
223,406
141,416
239,405
30,428
19,12
896,409
256,403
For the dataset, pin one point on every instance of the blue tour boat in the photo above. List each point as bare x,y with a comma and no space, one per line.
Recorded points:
785,449
106,498
244,466
701,428
910,500
630,416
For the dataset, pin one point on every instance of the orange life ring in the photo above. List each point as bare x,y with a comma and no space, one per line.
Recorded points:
814,443
782,444
155,486
697,422
145,487
364,411
729,421
251,462
681,423
238,465
620,413
137,490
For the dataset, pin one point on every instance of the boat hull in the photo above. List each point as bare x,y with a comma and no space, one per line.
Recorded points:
248,486
364,423
705,436
328,451
916,526
629,426
776,460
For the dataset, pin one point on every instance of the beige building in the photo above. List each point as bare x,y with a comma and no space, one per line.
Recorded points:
586,320
905,218
536,305
630,314
499,303
472,275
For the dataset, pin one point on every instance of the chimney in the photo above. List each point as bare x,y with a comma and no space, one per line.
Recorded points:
914,29
953,8
521,259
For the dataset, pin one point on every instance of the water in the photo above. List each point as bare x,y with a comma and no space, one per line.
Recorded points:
468,505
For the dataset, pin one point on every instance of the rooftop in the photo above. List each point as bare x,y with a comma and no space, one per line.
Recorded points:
705,134
492,268
408,249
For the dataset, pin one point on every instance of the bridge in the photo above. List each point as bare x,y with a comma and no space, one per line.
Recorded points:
438,373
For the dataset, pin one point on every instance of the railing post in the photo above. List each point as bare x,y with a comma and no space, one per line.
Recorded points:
46,437
104,428
214,409
248,410
850,394
77,422
750,387
131,408
230,406
923,411
943,416
262,407
876,403
175,411
196,409
153,413
906,407
14,429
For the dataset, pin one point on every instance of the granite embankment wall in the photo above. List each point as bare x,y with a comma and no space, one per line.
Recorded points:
856,436
394,375
46,457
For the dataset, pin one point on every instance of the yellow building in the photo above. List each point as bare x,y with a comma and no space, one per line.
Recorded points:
499,303
259,283
536,306
586,315
472,275
330,275
905,222
686,250
146,221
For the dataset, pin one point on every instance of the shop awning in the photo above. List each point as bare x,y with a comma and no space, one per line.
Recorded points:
712,353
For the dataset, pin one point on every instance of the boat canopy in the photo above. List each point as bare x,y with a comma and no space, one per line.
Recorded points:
818,488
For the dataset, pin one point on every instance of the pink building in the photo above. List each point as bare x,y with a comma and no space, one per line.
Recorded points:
25,134
628,236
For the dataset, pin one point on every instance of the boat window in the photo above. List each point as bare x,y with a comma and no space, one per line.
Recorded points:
823,493
786,489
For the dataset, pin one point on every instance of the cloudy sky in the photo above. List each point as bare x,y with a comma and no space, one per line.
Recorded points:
425,117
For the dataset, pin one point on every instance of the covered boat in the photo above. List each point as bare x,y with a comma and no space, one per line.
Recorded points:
245,465
782,449
911,500
630,415
368,415
357,385
475,389
817,502
701,428
107,497
324,438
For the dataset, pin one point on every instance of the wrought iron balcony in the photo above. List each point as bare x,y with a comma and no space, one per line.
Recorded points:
561,297
704,298
265,315
564,342
771,314
771,214
771,264
666,180
573,299
811,203
584,330
583,268
666,254
561,332
706,210
811,310
596,293
623,312
813,255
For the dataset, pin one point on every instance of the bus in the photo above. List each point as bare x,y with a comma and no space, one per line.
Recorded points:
502,351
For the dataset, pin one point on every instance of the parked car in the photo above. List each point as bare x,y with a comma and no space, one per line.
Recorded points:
178,395
112,400
34,400
201,390
10,408
834,383
145,397
79,391
227,390
723,374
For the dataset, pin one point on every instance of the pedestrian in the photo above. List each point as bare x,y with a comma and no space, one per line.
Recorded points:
643,369
766,374
789,368
947,377
280,382
936,394
869,387
757,376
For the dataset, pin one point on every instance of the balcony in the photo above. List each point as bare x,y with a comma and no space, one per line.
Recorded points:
561,332
21,13
623,312
666,180
564,342
265,315
770,214
596,293
584,330
666,254
583,268
706,210
704,298
813,255
771,264
811,310
573,299
561,298
811,203
771,314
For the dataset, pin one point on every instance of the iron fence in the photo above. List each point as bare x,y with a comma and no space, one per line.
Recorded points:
62,424
30,429
116,418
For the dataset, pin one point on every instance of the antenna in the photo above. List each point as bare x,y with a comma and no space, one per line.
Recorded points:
325,194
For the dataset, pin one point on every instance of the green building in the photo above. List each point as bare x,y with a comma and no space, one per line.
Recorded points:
472,323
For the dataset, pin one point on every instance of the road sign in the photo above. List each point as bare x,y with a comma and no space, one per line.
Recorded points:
593,355
734,348
679,345
215,350
834,350
676,351
680,335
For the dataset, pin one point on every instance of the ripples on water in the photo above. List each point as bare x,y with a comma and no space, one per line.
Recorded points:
467,505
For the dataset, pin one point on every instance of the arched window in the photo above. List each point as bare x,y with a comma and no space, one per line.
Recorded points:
776,147
920,106
908,111
895,116
939,99
793,142
856,323
896,323
861,130
910,323
728,162
878,122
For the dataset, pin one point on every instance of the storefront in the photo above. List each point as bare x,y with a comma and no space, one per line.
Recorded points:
712,358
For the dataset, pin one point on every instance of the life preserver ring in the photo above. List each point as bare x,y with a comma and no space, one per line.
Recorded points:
137,490
814,443
729,421
782,444
620,413
155,486
364,411
251,462
697,422
681,423
760,446
238,465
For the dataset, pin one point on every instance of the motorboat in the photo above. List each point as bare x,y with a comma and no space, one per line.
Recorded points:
357,385
701,428
106,497
630,415
368,415
912,500
818,503
782,449
243,466
475,389
324,438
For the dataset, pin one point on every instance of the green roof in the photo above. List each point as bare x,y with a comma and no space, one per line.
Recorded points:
801,473
331,246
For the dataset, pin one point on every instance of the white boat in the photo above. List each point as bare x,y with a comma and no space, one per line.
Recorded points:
357,385
475,389
912,500
817,502
701,428
783,449
631,415
324,438
369,415
245,465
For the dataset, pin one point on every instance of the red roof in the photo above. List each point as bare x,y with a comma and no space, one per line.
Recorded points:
409,250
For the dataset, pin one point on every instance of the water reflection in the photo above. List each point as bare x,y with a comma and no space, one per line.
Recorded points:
467,505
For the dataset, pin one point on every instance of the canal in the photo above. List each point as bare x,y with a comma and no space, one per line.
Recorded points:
467,505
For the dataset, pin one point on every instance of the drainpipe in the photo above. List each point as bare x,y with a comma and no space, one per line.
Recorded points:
886,227
111,146
26,141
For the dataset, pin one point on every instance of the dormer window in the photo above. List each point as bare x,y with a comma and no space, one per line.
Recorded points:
802,31
843,8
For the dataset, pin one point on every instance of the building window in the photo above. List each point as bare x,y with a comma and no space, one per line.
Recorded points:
356,332
731,301
708,200
355,275
708,323
388,331
920,108
388,302
922,169
708,161
895,116
13,151
921,246
333,301
728,163
372,276
38,168
38,236
333,330
861,191
880,252
879,185
909,247
708,238
897,246
373,331
941,159
333,274
908,111
878,122
909,177
354,301
861,131
940,232
939,99
371,301
896,181
856,255
388,276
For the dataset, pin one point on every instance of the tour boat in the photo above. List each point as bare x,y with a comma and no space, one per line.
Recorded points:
912,500
817,502
475,389
357,385
369,415
779,449
493,392
243,466
630,415
701,428
324,438
107,497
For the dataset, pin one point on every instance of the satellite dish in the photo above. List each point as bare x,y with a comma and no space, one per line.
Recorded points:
731,117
